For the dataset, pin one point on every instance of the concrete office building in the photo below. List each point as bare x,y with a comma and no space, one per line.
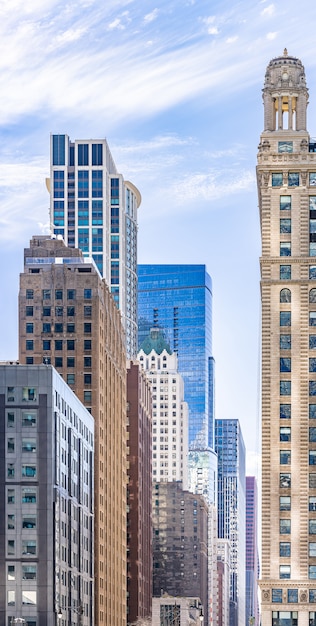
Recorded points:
67,317
46,500
93,208
286,174
252,555
139,496
231,453
170,412
180,538
223,576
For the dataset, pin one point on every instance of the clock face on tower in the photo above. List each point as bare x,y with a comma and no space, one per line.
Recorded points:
285,75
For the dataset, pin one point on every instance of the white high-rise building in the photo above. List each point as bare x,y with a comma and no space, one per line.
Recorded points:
170,412
93,208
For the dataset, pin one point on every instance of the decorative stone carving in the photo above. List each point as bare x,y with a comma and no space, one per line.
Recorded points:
304,177
304,145
303,595
266,595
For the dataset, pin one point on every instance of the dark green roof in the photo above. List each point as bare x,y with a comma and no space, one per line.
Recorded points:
155,341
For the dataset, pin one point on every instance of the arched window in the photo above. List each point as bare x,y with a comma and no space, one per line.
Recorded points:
285,295
312,295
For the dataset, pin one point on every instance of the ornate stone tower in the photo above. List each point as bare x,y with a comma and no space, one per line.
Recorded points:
286,175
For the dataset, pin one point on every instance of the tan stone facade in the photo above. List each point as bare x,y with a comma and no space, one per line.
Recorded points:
67,312
286,175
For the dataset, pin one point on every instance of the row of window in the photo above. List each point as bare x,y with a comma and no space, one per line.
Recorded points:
285,503
285,344
286,362
285,293
47,294
59,311
286,388
285,411
285,526
285,318
291,595
279,178
58,327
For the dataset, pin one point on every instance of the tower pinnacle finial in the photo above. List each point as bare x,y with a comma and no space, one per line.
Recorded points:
285,52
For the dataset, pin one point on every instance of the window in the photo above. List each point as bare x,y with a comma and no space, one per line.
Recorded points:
312,549
28,495
285,548
71,327
277,595
10,419
285,296
87,345
312,434
285,433
70,361
312,342
87,361
28,572
312,571
285,457
11,546
46,327
292,595
285,225
70,379
28,418
70,344
46,360
312,272
312,411
46,344
285,411
59,311
46,311
59,327
285,480
312,503
312,364
29,328
312,387
11,597
11,496
312,618
87,328
277,179
71,294
312,595
11,521
285,272
10,470
285,342
285,571
70,311
87,309
285,248
87,396
28,445
285,318
87,379
312,457
11,572
312,481
312,179
293,179
29,294
312,526
285,203
285,503
58,294
87,294
29,471
28,547
29,311
285,364
83,154
285,387
29,394
58,344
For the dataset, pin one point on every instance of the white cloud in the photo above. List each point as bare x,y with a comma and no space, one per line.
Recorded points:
150,17
69,35
268,11
272,36
116,24
213,30
232,39
209,186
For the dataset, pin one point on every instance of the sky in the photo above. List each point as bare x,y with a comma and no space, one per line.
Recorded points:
175,87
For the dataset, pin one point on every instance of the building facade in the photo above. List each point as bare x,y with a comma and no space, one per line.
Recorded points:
139,497
67,318
170,412
93,208
46,499
177,299
180,538
231,453
252,555
223,576
286,174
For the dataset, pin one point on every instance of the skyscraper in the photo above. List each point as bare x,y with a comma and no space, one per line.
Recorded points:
252,556
231,453
93,208
177,299
286,175
170,412
46,499
67,318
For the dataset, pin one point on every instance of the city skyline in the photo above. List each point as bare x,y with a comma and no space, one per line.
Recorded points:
183,118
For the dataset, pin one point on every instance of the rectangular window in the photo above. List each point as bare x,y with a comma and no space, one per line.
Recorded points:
312,179
285,203
11,521
87,345
46,344
285,503
312,457
285,457
312,273
29,294
312,571
285,146
285,272
285,364
312,549
28,495
285,318
277,595
312,481
87,294
10,470
58,294
46,311
312,595
312,248
312,434
28,471
312,411
46,327
312,342
285,248
11,496
83,154
87,328
285,342
71,327
70,361
87,379
87,361
70,344
292,595
312,503
28,572
28,445
29,311
28,547
285,225
29,521
29,394
293,179
29,418
285,411
285,433
70,379
29,328
59,149
59,327
11,595
312,387
11,546
285,548
87,309
10,420
70,311
312,526
97,155
285,388
11,572
285,480
29,344
277,179
87,396
59,311
285,571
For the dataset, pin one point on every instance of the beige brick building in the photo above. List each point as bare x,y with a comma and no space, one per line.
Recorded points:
67,317
286,176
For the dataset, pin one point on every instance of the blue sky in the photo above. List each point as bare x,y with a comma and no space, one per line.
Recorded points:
175,87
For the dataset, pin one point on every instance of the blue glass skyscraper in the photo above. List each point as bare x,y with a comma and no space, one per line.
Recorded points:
178,300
